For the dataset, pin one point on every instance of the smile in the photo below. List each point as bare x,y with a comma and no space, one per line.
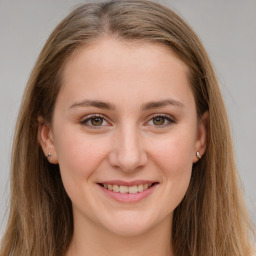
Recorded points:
128,192
127,189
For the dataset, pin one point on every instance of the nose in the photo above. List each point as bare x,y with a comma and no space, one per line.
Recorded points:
128,153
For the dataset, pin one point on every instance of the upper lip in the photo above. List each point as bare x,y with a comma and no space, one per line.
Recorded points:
127,183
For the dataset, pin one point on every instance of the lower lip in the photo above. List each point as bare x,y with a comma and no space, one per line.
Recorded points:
128,197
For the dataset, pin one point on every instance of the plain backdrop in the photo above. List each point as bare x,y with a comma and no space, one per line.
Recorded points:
226,27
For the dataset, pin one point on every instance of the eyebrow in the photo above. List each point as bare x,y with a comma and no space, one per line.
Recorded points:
162,103
109,106
93,103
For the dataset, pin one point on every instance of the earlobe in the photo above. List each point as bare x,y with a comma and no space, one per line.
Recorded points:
45,138
201,141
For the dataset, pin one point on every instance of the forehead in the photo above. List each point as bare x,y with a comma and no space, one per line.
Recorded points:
110,52
136,69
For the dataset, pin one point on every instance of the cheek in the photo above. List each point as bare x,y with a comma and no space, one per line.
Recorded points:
174,159
176,163
78,154
79,157
174,154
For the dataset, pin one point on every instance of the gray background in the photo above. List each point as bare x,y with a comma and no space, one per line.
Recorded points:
226,27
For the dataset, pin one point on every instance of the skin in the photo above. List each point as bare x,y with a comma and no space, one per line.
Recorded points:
129,144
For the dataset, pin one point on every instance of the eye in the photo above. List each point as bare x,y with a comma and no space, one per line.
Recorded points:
160,120
94,121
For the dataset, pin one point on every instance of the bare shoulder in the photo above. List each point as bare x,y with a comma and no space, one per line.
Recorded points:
254,253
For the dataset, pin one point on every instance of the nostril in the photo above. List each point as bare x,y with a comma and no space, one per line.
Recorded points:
127,155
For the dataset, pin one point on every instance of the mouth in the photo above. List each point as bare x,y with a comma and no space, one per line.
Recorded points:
128,192
134,189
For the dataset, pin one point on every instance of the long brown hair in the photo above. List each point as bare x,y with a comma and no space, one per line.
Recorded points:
211,219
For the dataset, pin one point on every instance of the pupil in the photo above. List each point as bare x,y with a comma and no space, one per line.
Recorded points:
158,120
97,121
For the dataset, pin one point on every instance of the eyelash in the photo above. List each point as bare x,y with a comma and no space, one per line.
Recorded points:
89,118
166,117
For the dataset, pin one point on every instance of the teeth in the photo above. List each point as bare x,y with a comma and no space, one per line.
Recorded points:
115,188
133,189
127,189
124,189
140,188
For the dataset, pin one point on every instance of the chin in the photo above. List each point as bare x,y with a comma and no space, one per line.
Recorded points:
131,224
129,230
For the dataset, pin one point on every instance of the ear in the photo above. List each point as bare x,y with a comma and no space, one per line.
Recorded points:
45,138
201,141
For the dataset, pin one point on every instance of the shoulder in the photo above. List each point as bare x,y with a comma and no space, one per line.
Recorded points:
254,253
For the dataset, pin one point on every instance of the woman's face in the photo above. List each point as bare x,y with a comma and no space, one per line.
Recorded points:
125,120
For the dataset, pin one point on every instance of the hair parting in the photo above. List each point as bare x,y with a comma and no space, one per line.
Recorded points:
211,218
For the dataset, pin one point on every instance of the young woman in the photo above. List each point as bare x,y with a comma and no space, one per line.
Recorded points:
122,145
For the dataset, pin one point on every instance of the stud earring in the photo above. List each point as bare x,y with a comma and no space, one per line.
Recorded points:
49,156
198,155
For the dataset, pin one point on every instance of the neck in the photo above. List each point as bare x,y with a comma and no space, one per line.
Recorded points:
89,239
